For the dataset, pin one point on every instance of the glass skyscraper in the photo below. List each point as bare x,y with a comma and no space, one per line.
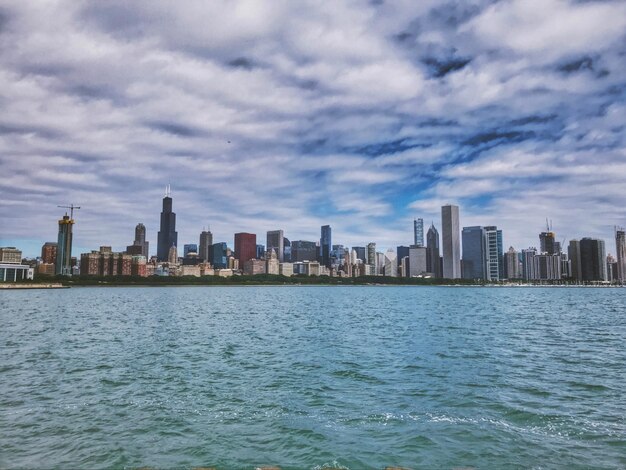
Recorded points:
326,245
167,237
474,253
418,232
64,247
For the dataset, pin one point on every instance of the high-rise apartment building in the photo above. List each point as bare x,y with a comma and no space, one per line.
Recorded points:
204,248
371,254
418,232
326,245
512,264
276,242
63,265
302,250
49,253
167,236
547,243
451,243
620,253
417,261
494,256
245,247
573,253
474,257
592,259
433,258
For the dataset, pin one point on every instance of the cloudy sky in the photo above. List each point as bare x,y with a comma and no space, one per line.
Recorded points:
285,114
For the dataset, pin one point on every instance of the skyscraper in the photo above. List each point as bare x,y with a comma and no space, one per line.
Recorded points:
245,247
418,232
220,255
494,256
140,239
361,253
167,237
401,252
451,243
276,242
573,253
433,259
302,250
49,253
620,252
512,263
371,254
204,248
474,257
326,245
547,242
592,259
63,265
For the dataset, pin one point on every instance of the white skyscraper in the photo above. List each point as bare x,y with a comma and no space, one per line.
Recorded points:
451,241
391,263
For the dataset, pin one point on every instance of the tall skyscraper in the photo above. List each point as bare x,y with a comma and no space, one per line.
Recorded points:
592,259
204,248
418,232
573,253
361,253
220,255
548,243
140,239
512,263
371,254
401,252
167,237
620,252
494,256
418,260
63,265
433,259
326,245
276,242
245,247
302,250
390,263
474,257
451,243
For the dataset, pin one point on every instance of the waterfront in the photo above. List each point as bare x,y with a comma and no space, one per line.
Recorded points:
363,377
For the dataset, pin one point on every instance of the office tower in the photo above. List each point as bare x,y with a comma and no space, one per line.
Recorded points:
302,250
260,251
592,259
220,255
380,263
547,242
620,253
494,261
167,237
245,247
190,248
371,254
326,245
286,250
528,264
611,269
172,255
573,253
49,253
361,253
63,265
512,264
390,263
276,242
204,248
451,243
417,261
433,259
272,265
401,252
140,240
547,267
418,232
474,257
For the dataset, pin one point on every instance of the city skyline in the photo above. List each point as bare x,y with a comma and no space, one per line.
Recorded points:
362,116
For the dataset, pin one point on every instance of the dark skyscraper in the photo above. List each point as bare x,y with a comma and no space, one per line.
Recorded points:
276,242
140,246
326,245
433,258
302,250
360,253
548,243
204,248
473,253
401,252
245,247
592,260
168,236
620,252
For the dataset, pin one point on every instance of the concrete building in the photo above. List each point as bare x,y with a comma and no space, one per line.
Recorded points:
254,266
390,263
417,261
272,264
474,257
10,255
11,267
361,253
620,253
172,255
494,256
285,269
401,252
512,264
204,247
276,242
451,242
49,253
418,232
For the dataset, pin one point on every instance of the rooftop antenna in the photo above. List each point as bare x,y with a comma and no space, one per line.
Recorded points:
71,207
547,225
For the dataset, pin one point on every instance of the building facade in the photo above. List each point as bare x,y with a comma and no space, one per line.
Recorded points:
433,258
620,254
326,245
494,256
167,236
474,257
276,242
592,260
302,250
451,242
418,232
245,247
63,264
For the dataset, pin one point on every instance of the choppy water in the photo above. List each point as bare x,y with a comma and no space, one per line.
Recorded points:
359,377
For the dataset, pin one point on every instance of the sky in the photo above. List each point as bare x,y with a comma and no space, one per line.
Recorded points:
291,115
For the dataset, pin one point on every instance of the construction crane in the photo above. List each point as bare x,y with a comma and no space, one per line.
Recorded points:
71,207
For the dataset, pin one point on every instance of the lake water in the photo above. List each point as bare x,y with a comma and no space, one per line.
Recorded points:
308,377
